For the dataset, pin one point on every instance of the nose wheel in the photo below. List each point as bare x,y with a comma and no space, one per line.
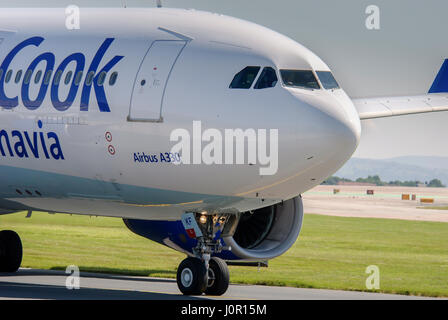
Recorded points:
218,277
193,278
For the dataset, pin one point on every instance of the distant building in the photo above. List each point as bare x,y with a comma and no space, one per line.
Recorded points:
421,185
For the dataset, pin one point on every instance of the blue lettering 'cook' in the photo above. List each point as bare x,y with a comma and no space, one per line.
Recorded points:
49,59
30,144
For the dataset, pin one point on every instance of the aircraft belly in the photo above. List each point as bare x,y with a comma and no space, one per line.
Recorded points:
26,189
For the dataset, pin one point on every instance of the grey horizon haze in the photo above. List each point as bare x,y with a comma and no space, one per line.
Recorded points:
401,58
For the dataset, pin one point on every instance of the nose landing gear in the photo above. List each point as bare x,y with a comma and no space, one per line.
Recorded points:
204,273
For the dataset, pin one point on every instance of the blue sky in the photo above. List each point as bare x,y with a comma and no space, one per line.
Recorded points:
402,58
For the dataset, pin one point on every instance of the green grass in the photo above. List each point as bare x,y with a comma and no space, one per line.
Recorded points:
435,207
331,252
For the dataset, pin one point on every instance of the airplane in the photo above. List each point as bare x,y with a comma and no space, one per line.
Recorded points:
87,119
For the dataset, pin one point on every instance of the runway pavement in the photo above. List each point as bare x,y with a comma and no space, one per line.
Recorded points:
45,284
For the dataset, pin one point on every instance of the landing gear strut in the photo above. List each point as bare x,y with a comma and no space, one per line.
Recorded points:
10,251
204,273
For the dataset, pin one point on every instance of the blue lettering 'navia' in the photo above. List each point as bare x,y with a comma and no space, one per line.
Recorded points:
30,144
49,58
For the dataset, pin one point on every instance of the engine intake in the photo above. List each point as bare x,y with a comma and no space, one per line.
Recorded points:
268,232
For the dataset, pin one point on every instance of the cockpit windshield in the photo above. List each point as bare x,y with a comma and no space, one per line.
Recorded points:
267,79
299,78
244,78
327,80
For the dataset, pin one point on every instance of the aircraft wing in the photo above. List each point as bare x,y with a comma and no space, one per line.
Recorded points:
396,106
435,100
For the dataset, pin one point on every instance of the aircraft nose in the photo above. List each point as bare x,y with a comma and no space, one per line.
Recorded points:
319,134
340,120
347,113
338,116
335,128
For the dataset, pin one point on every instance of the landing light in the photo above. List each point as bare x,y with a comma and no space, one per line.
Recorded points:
203,219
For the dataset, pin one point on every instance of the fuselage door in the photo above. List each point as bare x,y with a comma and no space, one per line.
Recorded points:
152,78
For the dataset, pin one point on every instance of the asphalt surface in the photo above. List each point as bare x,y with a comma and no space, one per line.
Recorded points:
45,284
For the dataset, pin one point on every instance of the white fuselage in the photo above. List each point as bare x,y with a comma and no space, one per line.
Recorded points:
73,146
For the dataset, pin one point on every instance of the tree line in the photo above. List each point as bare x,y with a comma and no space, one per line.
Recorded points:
376,180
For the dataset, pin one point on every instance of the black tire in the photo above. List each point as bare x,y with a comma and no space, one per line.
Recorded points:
219,285
10,251
192,276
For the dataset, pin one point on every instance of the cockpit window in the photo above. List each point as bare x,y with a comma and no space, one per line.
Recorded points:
299,78
268,79
327,80
244,78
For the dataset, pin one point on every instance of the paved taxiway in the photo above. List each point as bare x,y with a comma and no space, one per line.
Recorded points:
44,284
386,203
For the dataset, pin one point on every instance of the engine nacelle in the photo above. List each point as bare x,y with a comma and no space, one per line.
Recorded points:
259,235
